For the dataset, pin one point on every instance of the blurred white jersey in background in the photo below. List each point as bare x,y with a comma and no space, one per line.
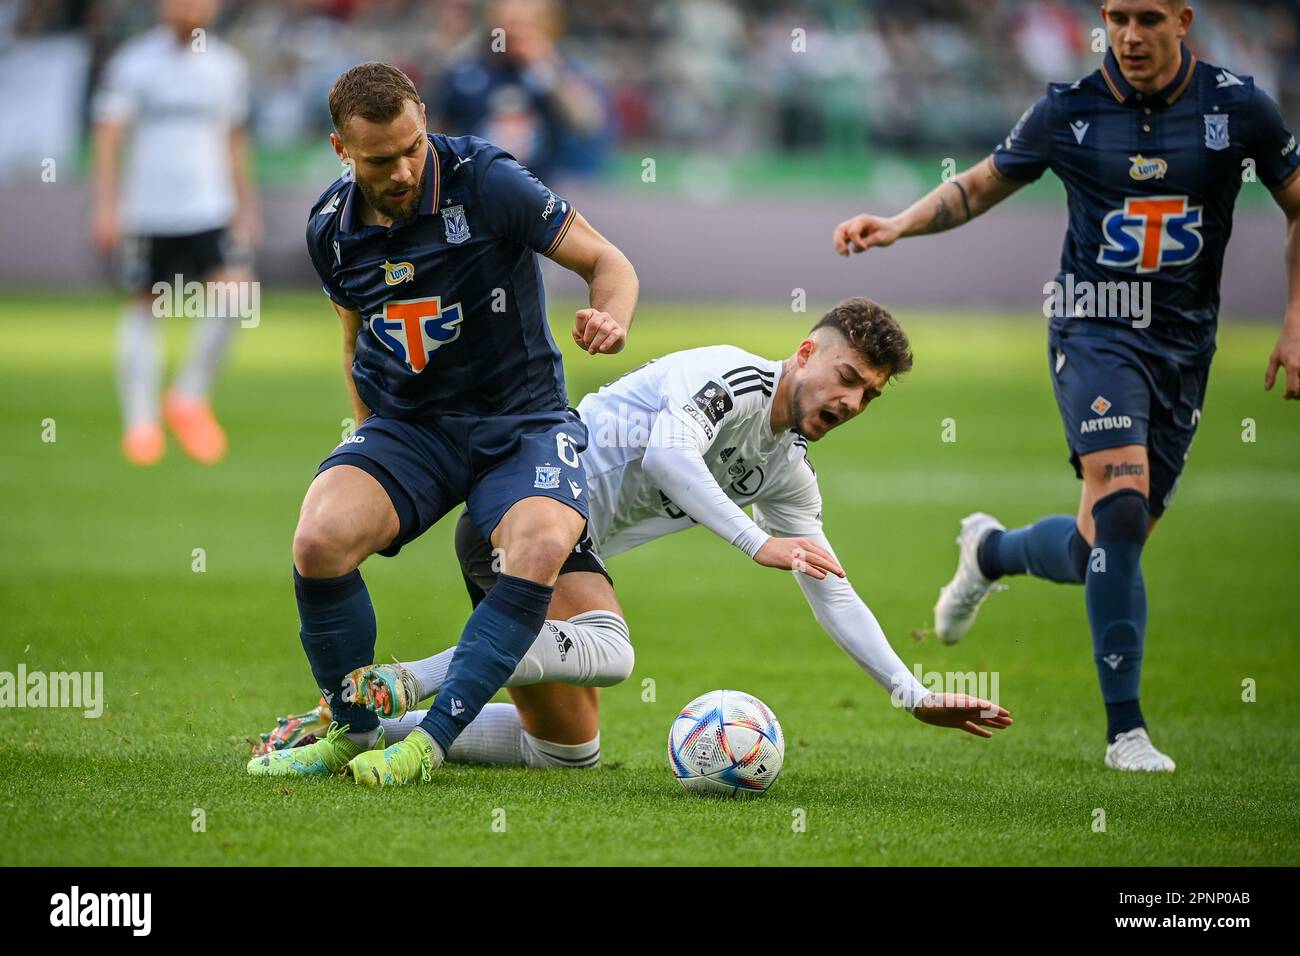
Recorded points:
180,101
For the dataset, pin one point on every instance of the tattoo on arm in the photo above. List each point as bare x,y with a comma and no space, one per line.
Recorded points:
965,202
942,219
1119,471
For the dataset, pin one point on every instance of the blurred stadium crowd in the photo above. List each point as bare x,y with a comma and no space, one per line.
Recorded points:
584,78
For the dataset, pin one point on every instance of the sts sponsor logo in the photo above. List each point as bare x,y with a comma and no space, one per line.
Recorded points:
1150,233
413,329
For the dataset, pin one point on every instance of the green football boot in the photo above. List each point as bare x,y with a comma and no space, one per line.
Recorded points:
324,757
389,690
296,730
412,760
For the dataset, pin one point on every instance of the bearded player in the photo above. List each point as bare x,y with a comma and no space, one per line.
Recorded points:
1151,149
428,249
691,438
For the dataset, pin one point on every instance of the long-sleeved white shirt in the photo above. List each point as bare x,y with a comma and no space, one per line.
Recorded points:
686,439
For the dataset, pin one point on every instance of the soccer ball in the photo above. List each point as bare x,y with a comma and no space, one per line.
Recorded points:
726,743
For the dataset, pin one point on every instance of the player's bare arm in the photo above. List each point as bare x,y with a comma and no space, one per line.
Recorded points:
246,226
1286,354
952,204
351,320
612,282
107,138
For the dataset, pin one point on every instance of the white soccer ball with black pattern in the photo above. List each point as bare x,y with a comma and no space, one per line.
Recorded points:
726,743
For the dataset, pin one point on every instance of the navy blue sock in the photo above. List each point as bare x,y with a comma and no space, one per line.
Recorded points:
338,634
1051,548
1117,605
498,633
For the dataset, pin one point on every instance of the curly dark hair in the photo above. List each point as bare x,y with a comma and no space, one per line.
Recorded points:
873,333
374,91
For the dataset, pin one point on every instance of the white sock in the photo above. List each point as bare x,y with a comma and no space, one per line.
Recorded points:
592,649
496,736
210,341
139,363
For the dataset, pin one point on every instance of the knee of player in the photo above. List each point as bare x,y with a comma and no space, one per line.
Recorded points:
1122,516
318,552
539,556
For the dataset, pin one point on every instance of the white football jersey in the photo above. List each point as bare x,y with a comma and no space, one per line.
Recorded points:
723,395
180,105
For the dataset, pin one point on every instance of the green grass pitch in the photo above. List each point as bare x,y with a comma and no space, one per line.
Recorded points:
95,574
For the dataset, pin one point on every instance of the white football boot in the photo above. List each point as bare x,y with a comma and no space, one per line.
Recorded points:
1133,750
960,599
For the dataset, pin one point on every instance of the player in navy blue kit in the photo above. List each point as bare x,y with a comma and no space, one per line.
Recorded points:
1152,149
427,248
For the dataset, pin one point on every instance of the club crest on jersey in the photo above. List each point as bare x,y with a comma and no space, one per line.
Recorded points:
1144,169
548,476
395,273
1216,131
454,224
1151,233
413,329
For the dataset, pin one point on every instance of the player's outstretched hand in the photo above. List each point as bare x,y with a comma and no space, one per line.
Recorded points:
864,231
597,332
798,554
1286,355
971,714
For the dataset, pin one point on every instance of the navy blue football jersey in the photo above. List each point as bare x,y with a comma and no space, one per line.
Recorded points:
1152,180
452,305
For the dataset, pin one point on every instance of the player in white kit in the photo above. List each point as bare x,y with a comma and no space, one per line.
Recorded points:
690,438
174,197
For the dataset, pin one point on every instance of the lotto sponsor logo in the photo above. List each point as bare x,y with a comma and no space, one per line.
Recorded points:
1151,233
395,273
1144,169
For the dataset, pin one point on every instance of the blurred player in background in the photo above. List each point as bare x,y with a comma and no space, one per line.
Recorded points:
173,196
688,439
523,93
1151,148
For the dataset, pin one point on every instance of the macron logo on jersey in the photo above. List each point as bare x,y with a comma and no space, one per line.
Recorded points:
1152,232
413,329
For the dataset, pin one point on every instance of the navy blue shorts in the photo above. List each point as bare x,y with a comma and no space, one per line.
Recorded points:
1111,394
428,468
